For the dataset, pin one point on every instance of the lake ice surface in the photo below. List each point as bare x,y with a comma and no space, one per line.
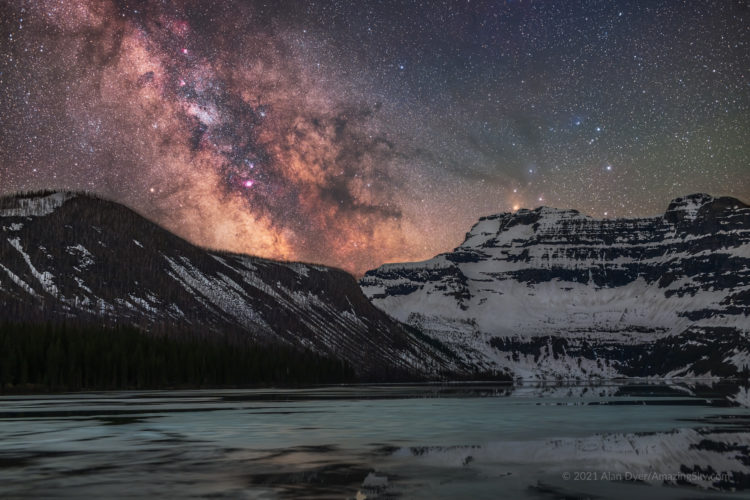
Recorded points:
396,441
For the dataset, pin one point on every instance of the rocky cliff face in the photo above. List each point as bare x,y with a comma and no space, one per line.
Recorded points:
553,293
65,256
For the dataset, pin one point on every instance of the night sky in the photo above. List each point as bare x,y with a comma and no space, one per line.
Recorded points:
357,133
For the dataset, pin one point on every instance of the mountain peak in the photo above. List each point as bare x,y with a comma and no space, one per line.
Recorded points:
78,258
519,224
690,205
699,207
34,204
684,208
549,293
545,209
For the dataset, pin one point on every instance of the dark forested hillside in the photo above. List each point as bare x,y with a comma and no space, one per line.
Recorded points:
60,357
71,257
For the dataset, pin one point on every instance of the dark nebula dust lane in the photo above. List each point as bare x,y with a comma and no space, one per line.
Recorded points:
356,133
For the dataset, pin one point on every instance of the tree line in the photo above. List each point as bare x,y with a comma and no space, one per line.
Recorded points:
61,357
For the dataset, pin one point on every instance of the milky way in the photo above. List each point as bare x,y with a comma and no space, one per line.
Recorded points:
356,133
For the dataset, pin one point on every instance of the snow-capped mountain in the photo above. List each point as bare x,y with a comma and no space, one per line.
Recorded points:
77,257
550,293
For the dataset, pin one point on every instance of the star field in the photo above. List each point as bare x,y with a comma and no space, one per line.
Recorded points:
357,133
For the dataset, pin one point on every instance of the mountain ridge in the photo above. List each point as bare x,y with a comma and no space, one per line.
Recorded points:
578,282
533,294
74,256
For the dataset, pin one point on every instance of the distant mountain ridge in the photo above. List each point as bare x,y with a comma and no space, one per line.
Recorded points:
535,294
550,293
72,256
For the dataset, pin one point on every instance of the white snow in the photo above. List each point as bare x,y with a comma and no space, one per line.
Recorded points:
465,303
44,278
691,205
82,284
143,303
85,258
220,294
18,281
37,206
298,268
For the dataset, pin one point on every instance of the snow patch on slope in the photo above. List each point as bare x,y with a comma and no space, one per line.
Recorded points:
45,278
85,257
219,293
36,206
18,281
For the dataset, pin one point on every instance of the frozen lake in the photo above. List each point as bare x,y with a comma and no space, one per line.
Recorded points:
400,441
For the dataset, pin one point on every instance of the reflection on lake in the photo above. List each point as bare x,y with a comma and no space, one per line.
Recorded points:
458,441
